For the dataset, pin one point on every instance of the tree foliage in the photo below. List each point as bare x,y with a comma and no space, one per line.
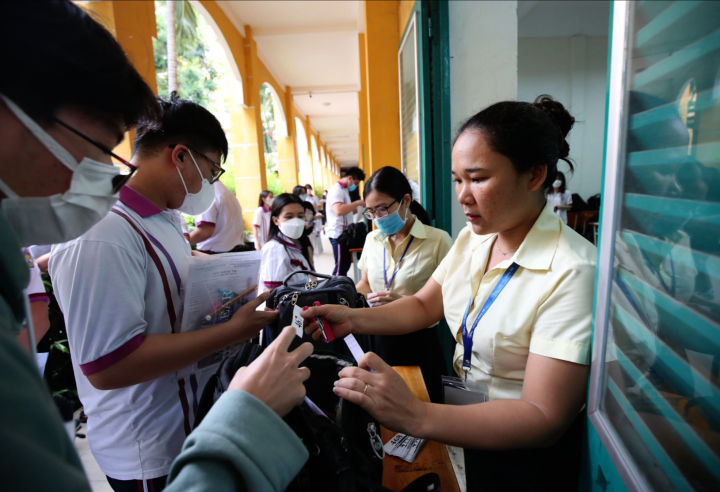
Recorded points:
197,78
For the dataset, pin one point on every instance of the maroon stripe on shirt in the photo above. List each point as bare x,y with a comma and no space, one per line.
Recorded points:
113,357
161,269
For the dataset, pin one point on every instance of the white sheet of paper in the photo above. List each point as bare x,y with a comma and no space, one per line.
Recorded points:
404,447
297,321
354,347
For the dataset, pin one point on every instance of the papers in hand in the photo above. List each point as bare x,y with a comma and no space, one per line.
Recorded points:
404,447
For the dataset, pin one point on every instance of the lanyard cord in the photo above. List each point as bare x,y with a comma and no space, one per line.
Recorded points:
397,266
468,337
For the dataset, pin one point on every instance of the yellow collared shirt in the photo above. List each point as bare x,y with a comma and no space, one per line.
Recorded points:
546,308
427,250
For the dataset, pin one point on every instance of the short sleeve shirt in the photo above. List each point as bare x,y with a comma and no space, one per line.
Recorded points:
336,225
560,199
226,215
261,220
35,289
281,257
116,284
546,307
428,248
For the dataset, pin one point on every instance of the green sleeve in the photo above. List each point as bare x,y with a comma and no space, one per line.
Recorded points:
241,445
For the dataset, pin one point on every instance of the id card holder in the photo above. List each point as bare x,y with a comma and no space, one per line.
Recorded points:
457,391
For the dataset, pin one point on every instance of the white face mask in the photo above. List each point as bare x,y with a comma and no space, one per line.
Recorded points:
62,217
557,183
270,202
293,228
197,203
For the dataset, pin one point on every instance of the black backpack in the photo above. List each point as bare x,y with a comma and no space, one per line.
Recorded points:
354,236
327,290
345,453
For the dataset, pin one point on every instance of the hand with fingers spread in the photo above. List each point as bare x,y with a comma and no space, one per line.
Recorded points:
382,298
275,378
247,321
339,317
383,394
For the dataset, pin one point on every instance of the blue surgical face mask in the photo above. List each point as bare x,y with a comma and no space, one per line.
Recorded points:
352,187
391,224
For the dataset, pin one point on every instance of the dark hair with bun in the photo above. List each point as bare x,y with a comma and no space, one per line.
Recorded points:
529,134
393,183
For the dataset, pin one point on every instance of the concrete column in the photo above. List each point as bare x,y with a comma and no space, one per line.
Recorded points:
287,160
381,46
363,158
133,25
247,148
483,63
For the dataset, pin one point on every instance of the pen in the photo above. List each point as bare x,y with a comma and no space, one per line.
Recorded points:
230,303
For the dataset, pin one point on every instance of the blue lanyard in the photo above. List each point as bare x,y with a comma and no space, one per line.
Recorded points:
632,302
397,267
670,290
468,338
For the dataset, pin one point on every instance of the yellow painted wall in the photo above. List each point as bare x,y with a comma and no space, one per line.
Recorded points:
381,44
363,157
404,10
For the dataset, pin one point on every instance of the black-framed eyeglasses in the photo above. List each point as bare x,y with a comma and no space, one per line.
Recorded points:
121,179
216,173
378,212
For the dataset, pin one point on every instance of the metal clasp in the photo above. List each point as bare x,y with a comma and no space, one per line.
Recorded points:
375,441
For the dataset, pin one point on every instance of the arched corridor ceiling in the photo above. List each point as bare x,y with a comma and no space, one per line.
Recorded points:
312,47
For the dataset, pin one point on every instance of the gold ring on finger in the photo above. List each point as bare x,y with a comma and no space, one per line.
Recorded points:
365,390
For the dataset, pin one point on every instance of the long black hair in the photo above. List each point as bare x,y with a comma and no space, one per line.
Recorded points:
529,134
393,183
279,203
263,196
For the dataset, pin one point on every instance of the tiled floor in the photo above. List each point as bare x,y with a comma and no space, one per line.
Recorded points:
324,263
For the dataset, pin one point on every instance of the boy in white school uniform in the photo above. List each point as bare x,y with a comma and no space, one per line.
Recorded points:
340,212
220,228
119,288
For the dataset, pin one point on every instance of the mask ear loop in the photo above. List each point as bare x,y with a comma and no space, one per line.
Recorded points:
187,192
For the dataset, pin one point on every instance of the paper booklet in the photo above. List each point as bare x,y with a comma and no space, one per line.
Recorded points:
404,447
214,287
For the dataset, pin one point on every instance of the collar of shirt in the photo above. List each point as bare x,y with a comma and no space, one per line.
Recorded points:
417,230
264,209
535,253
138,203
341,184
286,241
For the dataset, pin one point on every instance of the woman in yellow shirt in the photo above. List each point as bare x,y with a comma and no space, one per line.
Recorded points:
517,292
397,260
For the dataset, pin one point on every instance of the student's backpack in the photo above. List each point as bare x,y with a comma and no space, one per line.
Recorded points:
354,236
345,448
326,290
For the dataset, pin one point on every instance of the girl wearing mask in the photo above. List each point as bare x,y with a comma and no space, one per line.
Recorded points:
560,198
261,220
288,247
398,259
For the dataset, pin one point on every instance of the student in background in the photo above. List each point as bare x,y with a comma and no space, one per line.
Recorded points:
398,259
288,247
261,220
119,289
340,210
38,303
220,228
310,197
560,198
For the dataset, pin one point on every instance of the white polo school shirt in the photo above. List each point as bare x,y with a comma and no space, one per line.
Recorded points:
281,257
336,225
116,284
226,215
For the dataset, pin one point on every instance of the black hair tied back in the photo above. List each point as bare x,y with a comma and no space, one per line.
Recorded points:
529,134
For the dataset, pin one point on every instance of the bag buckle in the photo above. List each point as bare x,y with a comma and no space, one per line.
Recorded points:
375,442
312,284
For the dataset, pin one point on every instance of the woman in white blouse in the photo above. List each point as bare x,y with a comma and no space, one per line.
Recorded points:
560,198
517,292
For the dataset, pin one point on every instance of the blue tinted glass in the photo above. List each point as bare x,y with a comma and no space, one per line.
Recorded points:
661,392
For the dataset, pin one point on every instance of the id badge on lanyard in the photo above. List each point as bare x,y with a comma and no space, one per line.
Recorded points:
468,336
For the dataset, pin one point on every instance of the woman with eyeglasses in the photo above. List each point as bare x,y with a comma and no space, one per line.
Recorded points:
398,259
